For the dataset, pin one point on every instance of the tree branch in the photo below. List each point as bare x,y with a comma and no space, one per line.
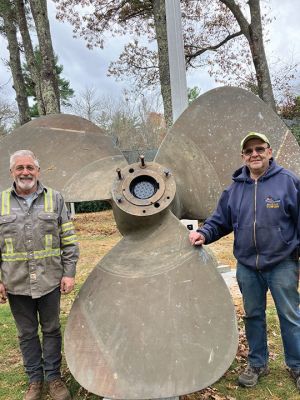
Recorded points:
239,16
191,56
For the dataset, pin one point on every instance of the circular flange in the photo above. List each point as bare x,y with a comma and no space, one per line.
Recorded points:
147,179
143,189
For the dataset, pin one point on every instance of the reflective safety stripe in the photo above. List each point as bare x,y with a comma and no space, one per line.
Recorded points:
36,255
48,200
9,255
5,202
68,240
67,226
14,257
9,246
46,253
48,242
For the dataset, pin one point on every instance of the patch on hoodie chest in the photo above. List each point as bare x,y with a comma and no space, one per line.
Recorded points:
271,203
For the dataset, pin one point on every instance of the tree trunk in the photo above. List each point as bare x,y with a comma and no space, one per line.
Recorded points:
49,81
256,42
29,54
159,12
15,62
254,35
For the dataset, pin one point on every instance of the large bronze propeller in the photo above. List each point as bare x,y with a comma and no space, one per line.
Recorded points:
154,318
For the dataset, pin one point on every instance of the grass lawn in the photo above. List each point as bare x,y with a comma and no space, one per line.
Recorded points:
98,234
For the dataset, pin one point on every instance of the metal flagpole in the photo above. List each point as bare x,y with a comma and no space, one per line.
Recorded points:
176,58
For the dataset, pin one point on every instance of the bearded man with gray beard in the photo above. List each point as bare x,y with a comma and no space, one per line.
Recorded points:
38,256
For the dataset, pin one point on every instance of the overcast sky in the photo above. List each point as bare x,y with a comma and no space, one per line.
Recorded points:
87,68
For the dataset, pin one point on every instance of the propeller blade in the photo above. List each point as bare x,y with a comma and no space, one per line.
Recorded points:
203,146
93,182
153,319
65,144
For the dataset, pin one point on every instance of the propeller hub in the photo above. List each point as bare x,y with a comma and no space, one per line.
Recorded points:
143,189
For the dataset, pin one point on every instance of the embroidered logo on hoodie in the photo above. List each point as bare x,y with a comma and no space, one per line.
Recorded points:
271,203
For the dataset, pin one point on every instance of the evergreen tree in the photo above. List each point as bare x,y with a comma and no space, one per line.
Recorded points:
65,91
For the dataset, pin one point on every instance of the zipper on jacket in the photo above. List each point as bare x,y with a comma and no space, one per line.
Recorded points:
254,224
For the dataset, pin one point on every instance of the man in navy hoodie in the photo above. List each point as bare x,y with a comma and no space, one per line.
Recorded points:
261,207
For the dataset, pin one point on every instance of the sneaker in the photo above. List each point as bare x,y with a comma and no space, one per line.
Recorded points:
296,376
34,391
58,390
250,376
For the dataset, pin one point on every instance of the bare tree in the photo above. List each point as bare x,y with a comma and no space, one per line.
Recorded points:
29,54
159,13
211,30
8,113
254,35
87,104
15,16
49,83
8,15
132,124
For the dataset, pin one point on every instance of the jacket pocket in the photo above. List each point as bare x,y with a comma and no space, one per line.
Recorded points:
244,240
8,226
283,234
270,240
48,225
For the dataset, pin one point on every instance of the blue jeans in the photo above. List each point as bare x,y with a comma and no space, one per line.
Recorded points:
39,359
282,281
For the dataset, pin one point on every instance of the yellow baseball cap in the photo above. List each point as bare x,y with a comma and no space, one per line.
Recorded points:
254,135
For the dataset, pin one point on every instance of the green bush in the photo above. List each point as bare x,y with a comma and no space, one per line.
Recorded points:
296,132
91,206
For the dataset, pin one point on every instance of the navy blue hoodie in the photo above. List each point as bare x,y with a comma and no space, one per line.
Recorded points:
264,216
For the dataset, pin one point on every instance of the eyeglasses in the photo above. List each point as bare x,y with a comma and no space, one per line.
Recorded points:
257,149
29,168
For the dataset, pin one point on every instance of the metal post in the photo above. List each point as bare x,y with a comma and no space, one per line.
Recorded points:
71,207
176,58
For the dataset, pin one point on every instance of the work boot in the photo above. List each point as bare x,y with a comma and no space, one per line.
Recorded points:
296,376
58,390
34,391
250,376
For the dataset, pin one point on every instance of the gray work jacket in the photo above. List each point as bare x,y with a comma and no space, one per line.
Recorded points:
38,244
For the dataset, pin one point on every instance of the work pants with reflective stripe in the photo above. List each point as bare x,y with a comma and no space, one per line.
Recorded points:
41,360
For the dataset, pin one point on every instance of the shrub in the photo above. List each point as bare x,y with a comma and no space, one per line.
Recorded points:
91,206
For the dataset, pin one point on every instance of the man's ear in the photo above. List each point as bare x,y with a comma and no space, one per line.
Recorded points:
271,152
